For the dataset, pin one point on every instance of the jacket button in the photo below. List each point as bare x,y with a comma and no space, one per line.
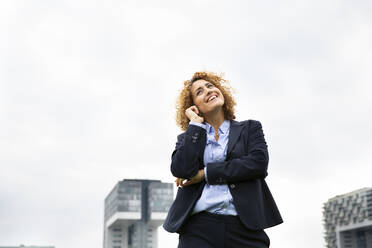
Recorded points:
232,185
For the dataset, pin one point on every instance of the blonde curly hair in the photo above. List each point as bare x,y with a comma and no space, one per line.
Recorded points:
184,100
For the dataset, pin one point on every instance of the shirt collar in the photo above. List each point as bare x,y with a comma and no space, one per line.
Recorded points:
224,127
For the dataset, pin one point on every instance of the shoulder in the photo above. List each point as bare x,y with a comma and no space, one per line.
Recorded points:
250,123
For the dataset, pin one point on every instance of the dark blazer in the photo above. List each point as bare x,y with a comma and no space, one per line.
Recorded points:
243,170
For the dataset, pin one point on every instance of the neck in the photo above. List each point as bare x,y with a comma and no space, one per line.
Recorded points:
215,119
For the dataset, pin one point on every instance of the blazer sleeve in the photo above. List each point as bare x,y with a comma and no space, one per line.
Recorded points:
252,165
185,158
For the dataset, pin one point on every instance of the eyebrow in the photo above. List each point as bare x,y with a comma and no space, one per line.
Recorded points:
200,86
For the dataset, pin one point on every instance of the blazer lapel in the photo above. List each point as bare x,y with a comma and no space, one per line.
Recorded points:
235,130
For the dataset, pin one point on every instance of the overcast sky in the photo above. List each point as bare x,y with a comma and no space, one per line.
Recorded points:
88,88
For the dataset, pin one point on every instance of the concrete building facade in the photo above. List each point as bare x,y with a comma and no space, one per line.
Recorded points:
347,220
134,209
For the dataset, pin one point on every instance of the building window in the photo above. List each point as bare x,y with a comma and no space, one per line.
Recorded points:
361,239
130,234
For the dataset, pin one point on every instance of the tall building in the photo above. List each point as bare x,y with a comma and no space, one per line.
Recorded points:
348,220
134,209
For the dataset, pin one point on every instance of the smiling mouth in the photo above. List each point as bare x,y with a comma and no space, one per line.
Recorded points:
212,98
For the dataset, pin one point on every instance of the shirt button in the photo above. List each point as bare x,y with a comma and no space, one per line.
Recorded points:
232,185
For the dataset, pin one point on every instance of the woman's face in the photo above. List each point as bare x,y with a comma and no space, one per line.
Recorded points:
206,96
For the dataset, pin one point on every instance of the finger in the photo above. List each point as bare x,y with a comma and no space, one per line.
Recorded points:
183,181
179,181
195,109
187,183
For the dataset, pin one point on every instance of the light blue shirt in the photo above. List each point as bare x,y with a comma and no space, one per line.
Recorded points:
215,198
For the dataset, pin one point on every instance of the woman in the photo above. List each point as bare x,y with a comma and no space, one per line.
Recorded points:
220,165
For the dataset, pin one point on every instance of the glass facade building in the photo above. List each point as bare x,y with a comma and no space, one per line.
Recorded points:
134,209
348,220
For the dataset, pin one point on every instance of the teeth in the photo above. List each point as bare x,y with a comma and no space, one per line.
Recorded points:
211,98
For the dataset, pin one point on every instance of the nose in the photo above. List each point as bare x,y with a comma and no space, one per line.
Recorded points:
209,91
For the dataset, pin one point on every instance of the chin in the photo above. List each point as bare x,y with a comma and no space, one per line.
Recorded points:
214,108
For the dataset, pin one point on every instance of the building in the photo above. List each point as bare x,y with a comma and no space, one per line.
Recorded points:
134,209
348,220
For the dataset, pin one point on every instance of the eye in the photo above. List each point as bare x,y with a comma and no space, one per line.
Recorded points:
210,85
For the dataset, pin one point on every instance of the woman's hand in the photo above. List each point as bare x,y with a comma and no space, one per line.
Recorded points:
180,182
193,114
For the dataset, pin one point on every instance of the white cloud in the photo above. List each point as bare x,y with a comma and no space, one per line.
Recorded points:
88,87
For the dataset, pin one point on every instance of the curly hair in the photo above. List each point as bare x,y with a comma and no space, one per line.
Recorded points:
184,100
